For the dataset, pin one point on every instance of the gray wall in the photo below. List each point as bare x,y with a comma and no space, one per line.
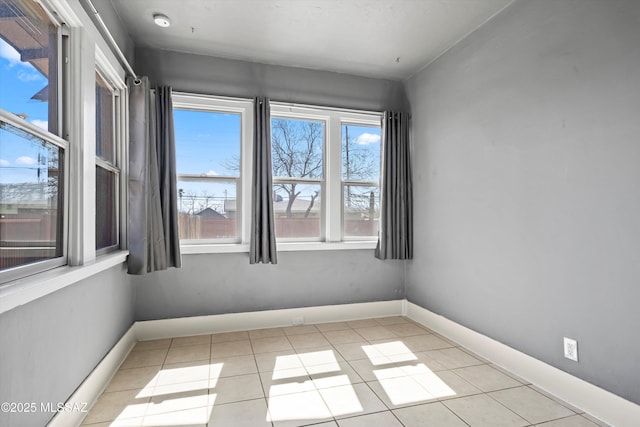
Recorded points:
226,283
226,77
49,346
113,22
527,155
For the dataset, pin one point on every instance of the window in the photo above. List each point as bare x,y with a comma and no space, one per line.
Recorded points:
32,156
326,173
297,147
107,171
360,181
209,136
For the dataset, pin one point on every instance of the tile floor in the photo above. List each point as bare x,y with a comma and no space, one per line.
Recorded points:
377,372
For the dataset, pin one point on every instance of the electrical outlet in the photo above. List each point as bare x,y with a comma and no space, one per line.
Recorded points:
571,349
297,321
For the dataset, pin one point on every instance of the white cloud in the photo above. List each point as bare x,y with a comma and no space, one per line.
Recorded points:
212,173
9,53
4,162
42,124
25,160
367,138
29,76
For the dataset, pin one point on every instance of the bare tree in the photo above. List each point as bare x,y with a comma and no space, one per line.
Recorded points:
357,164
296,148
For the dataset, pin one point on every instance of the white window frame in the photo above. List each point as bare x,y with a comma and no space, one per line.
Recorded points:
55,139
243,107
118,90
332,190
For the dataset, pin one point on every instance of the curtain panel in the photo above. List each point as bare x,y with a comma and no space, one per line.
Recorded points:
395,239
153,239
262,247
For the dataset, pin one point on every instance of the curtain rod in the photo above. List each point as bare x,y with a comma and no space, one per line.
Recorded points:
109,38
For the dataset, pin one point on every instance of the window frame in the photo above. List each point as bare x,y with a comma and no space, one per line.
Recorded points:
217,104
332,222
56,139
118,89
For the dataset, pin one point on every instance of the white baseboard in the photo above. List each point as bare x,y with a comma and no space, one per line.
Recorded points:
92,387
606,406
186,326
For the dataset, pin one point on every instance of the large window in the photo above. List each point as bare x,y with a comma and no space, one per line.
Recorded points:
107,168
360,181
326,173
32,156
297,147
209,136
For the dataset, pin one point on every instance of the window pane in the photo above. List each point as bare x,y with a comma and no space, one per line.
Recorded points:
297,210
30,198
297,148
207,210
207,143
360,153
28,63
105,146
361,212
106,208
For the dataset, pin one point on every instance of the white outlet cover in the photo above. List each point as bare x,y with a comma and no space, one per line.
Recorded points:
571,349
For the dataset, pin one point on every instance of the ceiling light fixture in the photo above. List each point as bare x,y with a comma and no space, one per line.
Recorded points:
161,20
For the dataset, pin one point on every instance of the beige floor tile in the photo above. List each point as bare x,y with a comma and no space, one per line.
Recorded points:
487,378
574,421
188,354
398,392
353,399
425,342
131,422
301,342
405,329
266,333
185,401
460,386
362,323
133,379
286,381
333,374
386,419
342,336
428,415
377,332
119,405
531,405
231,348
152,345
196,370
238,388
169,391
192,340
319,355
333,326
277,360
353,351
271,344
452,358
143,358
298,409
230,336
483,411
300,330
249,413
231,366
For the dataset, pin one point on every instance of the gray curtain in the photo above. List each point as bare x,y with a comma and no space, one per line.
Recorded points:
395,240
153,210
263,236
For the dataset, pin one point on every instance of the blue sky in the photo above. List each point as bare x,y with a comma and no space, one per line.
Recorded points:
19,81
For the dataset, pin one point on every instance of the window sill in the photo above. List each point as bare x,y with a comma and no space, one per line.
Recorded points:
281,246
25,290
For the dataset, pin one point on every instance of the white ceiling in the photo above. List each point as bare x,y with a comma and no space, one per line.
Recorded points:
379,38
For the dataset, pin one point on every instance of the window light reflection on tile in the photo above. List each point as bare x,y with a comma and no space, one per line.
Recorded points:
388,352
182,380
323,357
297,406
192,410
289,361
403,390
342,400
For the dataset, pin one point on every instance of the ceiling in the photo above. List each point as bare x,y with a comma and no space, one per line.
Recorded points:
390,39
